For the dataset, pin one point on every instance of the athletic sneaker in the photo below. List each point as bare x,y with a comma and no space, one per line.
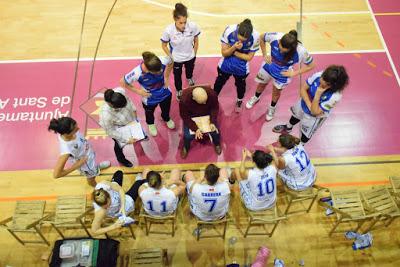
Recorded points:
329,201
190,81
171,124
363,241
351,235
126,220
179,95
282,128
104,165
270,113
252,101
238,106
152,130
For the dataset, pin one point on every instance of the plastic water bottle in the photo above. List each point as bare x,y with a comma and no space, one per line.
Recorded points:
363,241
231,248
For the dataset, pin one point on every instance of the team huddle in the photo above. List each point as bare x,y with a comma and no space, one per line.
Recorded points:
209,194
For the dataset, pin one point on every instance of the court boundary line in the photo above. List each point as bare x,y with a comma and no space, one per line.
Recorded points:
208,14
378,29
49,60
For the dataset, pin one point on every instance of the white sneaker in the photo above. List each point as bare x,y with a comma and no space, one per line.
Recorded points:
104,164
171,124
152,130
252,101
270,113
191,82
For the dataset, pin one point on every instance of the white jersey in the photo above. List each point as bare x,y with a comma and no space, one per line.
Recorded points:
77,149
115,206
209,202
181,44
258,192
158,202
299,172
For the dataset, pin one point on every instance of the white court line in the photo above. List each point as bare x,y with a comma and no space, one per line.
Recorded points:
384,43
139,57
296,14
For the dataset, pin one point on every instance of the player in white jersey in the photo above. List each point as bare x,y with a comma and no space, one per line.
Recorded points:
258,185
110,200
319,94
182,36
74,147
295,167
209,196
286,51
159,197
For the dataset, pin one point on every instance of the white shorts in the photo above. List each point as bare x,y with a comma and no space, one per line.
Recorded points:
308,124
264,77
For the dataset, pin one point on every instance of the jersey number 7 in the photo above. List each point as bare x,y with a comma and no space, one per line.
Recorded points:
213,202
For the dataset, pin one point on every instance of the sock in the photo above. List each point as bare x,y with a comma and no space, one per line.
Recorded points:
257,94
239,101
273,104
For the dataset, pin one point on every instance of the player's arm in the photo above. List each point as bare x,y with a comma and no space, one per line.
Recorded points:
227,50
167,73
196,44
164,46
243,56
242,169
279,161
179,188
315,107
132,88
59,170
96,228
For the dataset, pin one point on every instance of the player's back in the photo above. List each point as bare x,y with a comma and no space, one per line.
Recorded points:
158,202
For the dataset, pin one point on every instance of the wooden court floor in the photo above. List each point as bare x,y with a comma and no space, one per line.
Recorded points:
43,29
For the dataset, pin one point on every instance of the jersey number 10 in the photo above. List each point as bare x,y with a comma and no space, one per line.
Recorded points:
265,187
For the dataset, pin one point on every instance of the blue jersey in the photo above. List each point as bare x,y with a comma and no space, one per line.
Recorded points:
328,99
232,64
278,63
151,83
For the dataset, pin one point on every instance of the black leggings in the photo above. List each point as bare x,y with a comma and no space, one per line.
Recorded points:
293,121
133,192
189,67
222,78
165,106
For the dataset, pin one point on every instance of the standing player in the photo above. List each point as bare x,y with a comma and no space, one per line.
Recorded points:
239,43
209,196
286,51
74,147
153,76
319,95
183,39
158,198
295,167
258,185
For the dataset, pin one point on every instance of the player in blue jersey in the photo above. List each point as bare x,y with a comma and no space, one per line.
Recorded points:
239,43
153,76
286,51
319,94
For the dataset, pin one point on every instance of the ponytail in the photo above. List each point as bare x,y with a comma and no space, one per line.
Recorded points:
180,11
63,125
245,28
290,42
288,141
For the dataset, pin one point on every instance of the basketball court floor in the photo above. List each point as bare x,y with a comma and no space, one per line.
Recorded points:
358,146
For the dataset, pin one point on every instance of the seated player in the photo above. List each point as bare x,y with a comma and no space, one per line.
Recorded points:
110,200
295,167
209,195
258,185
160,196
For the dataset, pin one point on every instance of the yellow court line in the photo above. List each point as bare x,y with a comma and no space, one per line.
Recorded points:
387,14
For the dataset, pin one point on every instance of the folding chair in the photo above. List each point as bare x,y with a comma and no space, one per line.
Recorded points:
27,219
261,218
348,207
211,225
70,214
150,220
380,201
395,183
310,194
151,257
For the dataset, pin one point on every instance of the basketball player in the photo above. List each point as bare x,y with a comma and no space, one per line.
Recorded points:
74,147
321,92
209,196
161,198
295,167
239,43
182,36
153,76
286,51
258,185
